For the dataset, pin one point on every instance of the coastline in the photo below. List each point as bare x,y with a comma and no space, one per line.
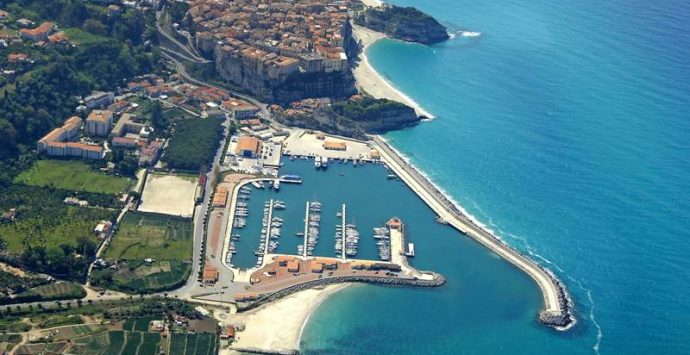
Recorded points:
369,80
284,320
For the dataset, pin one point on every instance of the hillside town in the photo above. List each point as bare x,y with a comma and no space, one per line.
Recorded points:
276,38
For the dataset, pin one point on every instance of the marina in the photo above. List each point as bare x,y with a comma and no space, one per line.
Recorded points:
312,218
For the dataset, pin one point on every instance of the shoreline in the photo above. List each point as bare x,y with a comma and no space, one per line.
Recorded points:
372,82
285,319
558,305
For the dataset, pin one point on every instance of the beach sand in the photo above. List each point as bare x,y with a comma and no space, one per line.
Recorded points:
278,325
370,81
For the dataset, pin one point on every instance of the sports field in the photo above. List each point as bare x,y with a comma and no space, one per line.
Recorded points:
169,194
72,175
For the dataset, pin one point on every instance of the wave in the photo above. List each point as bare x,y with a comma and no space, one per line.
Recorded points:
592,318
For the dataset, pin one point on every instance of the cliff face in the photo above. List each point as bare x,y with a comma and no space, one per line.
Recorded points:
403,23
355,119
278,88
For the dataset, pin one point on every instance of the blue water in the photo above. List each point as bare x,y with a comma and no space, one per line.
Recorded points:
565,128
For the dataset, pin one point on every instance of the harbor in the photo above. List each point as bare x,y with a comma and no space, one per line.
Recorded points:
308,218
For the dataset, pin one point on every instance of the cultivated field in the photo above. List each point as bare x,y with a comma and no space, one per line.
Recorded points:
169,194
114,342
192,344
72,176
167,240
142,235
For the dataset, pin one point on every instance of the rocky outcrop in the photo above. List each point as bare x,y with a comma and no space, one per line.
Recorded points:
403,23
354,118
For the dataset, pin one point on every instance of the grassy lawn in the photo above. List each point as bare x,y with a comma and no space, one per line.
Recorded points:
142,236
79,36
73,176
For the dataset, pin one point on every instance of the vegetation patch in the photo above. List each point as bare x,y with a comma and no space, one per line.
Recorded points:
79,36
47,235
193,143
73,176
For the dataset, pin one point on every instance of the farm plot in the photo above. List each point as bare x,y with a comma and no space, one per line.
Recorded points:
154,253
143,235
169,194
193,344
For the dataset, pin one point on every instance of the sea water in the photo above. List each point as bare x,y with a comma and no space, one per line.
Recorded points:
565,128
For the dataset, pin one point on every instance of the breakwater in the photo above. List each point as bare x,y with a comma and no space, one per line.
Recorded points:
558,305
437,281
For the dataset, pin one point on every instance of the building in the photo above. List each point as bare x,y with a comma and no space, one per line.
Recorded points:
331,145
99,99
240,109
17,57
220,198
148,156
57,142
125,142
3,15
99,123
9,216
39,33
293,266
316,267
228,334
68,131
211,274
248,147
126,125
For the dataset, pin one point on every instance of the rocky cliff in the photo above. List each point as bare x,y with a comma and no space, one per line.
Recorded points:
354,118
403,23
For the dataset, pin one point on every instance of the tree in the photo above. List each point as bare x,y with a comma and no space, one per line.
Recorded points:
95,27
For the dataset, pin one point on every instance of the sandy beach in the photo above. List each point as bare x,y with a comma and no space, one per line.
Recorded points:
279,325
370,80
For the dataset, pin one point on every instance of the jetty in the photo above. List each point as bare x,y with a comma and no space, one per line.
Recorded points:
557,310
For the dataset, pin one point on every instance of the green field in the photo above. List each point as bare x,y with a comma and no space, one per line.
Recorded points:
55,290
116,339
133,341
79,36
192,344
142,236
73,176
139,324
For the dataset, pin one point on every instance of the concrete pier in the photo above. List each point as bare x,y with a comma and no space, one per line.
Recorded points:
306,230
342,226
557,303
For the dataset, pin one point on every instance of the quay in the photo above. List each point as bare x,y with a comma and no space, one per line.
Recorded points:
557,310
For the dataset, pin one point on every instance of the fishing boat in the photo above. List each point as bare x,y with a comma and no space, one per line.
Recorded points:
324,163
276,184
317,162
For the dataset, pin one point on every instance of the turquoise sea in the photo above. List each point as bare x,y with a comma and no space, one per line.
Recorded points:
565,128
